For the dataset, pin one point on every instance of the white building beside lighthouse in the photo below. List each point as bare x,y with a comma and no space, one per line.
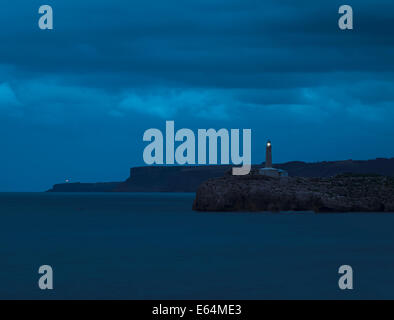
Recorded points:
269,170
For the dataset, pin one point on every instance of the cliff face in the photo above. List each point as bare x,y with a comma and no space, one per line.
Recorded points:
345,193
169,179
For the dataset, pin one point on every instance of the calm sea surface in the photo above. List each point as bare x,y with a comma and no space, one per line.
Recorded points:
153,246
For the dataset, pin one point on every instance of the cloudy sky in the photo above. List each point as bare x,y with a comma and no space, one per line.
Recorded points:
75,101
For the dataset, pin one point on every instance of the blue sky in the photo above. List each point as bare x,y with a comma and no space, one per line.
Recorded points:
75,101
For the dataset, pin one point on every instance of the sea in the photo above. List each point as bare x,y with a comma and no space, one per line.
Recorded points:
154,246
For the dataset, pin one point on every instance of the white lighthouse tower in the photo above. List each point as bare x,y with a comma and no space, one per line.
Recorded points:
268,170
268,155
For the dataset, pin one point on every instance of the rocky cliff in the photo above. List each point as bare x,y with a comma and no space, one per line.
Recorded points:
169,179
343,193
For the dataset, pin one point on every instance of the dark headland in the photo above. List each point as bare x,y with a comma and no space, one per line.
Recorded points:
342,186
328,186
189,178
342,193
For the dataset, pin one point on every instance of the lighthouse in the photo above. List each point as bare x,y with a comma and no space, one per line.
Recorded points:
268,155
268,170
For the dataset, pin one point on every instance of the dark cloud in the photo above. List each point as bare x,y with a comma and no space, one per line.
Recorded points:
111,69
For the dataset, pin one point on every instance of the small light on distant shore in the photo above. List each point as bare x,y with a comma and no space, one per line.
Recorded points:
67,180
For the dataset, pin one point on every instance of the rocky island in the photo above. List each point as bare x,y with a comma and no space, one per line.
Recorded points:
342,193
272,188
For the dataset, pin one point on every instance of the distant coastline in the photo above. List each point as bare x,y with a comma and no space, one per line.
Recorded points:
189,178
